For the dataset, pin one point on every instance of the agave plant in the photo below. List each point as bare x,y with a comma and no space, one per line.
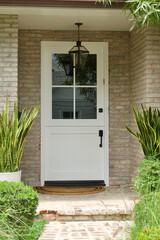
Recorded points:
148,135
13,132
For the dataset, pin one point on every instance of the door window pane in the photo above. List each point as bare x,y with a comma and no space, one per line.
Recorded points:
88,75
76,101
60,63
86,103
62,103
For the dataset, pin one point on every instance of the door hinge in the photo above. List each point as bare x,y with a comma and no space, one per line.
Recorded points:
103,81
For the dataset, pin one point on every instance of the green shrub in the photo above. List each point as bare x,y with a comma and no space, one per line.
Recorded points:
16,197
35,231
149,234
147,214
148,178
11,227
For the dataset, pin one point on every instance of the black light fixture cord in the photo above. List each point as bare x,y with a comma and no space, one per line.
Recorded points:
78,33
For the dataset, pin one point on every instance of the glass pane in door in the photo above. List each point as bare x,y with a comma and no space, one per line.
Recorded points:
74,96
62,70
86,103
62,103
88,75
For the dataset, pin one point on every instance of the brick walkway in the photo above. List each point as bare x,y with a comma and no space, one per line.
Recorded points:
87,230
86,217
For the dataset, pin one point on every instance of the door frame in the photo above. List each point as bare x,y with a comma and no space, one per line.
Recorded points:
44,45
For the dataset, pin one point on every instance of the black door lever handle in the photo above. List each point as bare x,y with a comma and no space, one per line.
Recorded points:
101,136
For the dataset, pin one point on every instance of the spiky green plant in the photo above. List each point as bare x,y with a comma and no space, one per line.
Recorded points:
148,135
13,132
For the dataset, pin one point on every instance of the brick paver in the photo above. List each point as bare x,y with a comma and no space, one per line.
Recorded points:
98,230
107,205
86,216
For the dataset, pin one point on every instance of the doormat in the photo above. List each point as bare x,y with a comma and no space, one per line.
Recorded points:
69,190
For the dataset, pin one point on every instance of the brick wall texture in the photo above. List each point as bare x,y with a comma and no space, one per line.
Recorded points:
119,90
144,79
8,59
134,78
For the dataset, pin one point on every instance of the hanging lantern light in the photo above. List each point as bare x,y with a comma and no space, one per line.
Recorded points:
80,52
68,66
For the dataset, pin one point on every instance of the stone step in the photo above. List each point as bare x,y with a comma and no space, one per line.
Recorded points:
97,230
79,215
112,204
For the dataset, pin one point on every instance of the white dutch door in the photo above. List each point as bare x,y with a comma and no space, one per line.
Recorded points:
73,115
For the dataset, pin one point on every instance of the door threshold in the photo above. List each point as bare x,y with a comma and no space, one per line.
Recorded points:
75,183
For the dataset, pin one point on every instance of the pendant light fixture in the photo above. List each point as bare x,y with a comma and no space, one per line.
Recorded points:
67,65
80,52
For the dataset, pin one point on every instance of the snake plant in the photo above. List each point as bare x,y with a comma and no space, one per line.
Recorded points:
13,132
148,135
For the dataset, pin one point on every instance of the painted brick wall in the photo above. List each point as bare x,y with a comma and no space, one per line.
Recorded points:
8,59
119,92
145,79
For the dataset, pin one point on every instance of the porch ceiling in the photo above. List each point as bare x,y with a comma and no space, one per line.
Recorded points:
64,18
61,3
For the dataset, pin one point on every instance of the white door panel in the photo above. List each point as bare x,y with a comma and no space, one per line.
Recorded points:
73,154
71,118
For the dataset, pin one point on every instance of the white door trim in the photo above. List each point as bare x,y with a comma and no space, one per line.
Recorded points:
44,45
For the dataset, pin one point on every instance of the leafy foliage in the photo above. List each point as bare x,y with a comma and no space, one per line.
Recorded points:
20,199
148,124
105,2
148,178
147,215
141,12
35,231
13,132
12,227
152,233
18,205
